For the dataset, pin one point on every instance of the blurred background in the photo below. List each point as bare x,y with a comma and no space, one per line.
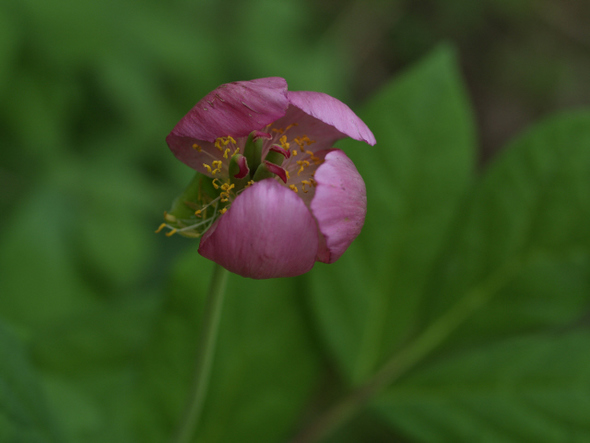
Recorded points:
90,89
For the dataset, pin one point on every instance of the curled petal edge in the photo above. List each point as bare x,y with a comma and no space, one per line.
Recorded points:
339,205
332,112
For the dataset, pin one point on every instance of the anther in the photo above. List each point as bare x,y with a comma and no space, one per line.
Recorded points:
284,143
162,226
302,165
217,164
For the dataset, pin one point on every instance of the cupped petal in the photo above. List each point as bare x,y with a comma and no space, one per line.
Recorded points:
233,109
339,205
267,232
332,112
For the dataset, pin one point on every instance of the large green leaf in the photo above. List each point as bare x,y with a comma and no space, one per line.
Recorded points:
530,389
264,369
517,264
24,416
523,239
416,175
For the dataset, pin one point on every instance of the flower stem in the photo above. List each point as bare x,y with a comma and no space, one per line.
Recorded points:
205,351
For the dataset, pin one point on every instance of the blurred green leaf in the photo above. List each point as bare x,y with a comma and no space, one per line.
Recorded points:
416,175
528,222
519,261
534,388
9,31
264,369
24,416
39,282
88,367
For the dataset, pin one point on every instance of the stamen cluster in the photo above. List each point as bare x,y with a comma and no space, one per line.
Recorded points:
280,162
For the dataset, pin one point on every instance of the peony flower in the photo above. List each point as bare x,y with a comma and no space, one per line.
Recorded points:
274,197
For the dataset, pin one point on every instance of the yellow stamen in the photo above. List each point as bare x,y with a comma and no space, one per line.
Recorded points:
304,139
315,159
223,211
197,147
217,164
302,165
208,168
294,188
162,226
171,233
221,142
284,143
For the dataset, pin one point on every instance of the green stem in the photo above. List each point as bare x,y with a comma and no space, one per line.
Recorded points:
205,351
413,353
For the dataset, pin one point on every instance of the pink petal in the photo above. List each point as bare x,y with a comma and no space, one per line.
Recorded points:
339,205
267,232
234,109
332,112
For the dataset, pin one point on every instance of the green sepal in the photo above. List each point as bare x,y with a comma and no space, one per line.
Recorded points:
184,206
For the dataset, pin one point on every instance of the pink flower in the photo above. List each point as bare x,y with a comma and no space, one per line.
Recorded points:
278,197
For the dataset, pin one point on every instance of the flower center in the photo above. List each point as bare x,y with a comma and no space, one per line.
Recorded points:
233,166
